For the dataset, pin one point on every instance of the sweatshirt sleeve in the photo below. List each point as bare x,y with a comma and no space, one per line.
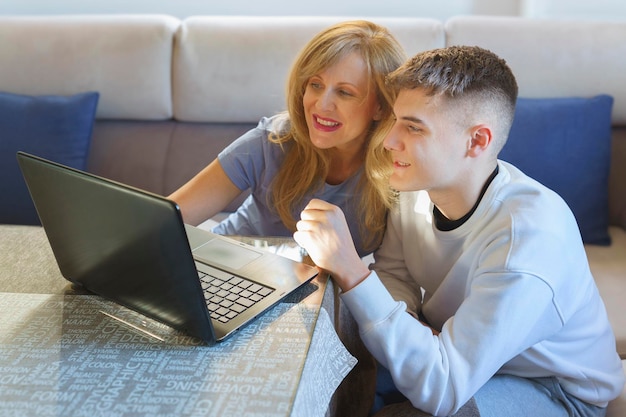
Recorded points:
439,374
392,270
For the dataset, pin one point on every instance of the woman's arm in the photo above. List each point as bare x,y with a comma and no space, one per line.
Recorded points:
206,194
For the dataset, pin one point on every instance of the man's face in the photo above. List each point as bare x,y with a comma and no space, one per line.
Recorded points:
427,143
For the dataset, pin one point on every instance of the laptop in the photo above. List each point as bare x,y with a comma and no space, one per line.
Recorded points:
132,247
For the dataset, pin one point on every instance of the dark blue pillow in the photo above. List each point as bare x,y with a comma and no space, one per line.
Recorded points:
53,127
565,143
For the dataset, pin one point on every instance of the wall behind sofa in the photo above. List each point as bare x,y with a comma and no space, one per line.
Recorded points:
597,9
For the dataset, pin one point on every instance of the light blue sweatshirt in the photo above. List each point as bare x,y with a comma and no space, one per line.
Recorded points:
510,290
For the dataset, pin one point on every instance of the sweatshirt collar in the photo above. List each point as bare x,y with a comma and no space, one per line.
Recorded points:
445,225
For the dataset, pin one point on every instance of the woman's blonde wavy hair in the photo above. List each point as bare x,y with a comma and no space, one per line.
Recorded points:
305,167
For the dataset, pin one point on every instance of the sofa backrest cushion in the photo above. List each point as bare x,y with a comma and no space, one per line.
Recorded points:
553,58
126,58
161,156
234,68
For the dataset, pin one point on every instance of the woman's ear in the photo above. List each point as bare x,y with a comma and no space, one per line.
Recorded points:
378,114
480,140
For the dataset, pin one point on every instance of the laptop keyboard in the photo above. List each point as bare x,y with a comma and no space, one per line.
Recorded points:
228,296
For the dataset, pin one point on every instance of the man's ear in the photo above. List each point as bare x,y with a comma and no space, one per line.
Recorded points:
480,140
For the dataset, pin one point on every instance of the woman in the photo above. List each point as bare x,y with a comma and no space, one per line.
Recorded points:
318,148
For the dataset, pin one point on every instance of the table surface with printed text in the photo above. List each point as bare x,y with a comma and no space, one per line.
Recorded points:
64,352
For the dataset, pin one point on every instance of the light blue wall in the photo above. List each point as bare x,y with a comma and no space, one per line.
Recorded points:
575,9
183,8
591,9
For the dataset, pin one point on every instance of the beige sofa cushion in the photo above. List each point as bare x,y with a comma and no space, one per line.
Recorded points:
608,266
126,58
563,58
219,59
161,156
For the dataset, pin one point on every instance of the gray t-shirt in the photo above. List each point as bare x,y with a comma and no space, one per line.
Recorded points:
251,162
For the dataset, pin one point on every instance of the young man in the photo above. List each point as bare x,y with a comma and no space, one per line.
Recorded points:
510,319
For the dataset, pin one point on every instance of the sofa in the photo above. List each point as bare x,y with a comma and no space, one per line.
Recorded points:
165,95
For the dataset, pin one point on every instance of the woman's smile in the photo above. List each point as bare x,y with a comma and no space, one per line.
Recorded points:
325,124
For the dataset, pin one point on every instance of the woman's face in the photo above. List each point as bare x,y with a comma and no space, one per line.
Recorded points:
340,104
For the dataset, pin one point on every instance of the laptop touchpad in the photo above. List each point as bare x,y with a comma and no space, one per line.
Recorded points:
224,253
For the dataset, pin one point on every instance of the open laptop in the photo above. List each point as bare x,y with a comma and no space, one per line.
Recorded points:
132,247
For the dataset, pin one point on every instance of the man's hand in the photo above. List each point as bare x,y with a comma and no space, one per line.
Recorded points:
323,232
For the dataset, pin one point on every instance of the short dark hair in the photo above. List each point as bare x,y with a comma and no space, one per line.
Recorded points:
459,72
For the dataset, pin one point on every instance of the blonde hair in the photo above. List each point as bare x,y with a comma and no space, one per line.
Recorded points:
306,167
